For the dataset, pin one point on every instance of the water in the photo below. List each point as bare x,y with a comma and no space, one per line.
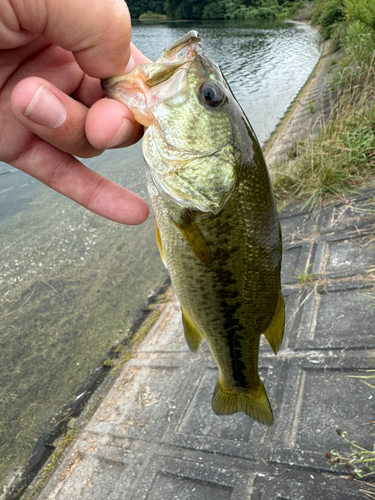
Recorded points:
70,281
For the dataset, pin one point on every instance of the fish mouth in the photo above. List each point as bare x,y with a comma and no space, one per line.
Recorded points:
190,41
152,83
171,59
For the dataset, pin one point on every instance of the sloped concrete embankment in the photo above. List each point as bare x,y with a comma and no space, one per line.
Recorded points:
308,112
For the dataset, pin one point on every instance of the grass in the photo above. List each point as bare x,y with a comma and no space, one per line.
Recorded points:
311,105
360,462
305,277
339,160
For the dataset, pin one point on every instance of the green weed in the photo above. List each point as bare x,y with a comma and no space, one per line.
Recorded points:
360,462
305,277
311,105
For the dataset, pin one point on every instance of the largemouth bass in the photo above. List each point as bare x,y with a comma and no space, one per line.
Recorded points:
216,222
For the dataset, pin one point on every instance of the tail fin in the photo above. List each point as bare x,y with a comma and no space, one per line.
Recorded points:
254,402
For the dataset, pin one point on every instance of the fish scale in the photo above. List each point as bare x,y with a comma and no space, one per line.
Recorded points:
216,222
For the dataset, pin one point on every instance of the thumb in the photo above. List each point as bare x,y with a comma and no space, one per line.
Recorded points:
98,32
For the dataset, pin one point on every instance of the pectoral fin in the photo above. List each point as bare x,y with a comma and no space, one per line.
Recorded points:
275,331
193,336
195,240
158,242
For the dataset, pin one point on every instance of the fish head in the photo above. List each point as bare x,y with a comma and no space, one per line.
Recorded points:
194,124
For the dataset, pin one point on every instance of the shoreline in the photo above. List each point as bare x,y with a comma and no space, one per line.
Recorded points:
309,95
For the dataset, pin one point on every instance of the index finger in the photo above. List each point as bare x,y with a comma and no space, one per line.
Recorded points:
68,176
98,32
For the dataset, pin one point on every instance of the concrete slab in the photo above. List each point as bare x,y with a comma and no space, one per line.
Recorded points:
291,490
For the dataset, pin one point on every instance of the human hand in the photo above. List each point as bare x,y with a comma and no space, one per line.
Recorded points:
51,50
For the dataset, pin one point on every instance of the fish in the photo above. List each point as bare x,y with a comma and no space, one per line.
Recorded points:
216,222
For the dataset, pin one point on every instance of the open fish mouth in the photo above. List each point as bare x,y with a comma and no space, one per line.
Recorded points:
152,83
190,41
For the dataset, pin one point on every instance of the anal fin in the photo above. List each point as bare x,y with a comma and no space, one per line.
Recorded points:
254,402
275,331
193,336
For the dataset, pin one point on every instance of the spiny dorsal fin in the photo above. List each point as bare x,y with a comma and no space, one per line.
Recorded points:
158,242
275,331
193,336
195,240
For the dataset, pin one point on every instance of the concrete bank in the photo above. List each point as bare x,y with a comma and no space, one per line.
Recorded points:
307,113
154,435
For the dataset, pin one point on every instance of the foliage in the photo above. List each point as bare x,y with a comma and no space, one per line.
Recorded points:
353,30
339,159
257,9
359,45
305,277
148,16
362,11
328,13
184,9
138,7
214,10
209,9
359,463
339,15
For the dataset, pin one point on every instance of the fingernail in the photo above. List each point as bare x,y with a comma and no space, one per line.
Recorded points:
45,109
130,66
122,136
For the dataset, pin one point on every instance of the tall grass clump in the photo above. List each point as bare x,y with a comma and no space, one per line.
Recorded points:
336,162
358,42
341,157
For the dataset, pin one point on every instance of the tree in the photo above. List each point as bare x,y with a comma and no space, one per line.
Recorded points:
138,7
214,10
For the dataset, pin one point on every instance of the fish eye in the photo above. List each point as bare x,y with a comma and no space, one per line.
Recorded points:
211,94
